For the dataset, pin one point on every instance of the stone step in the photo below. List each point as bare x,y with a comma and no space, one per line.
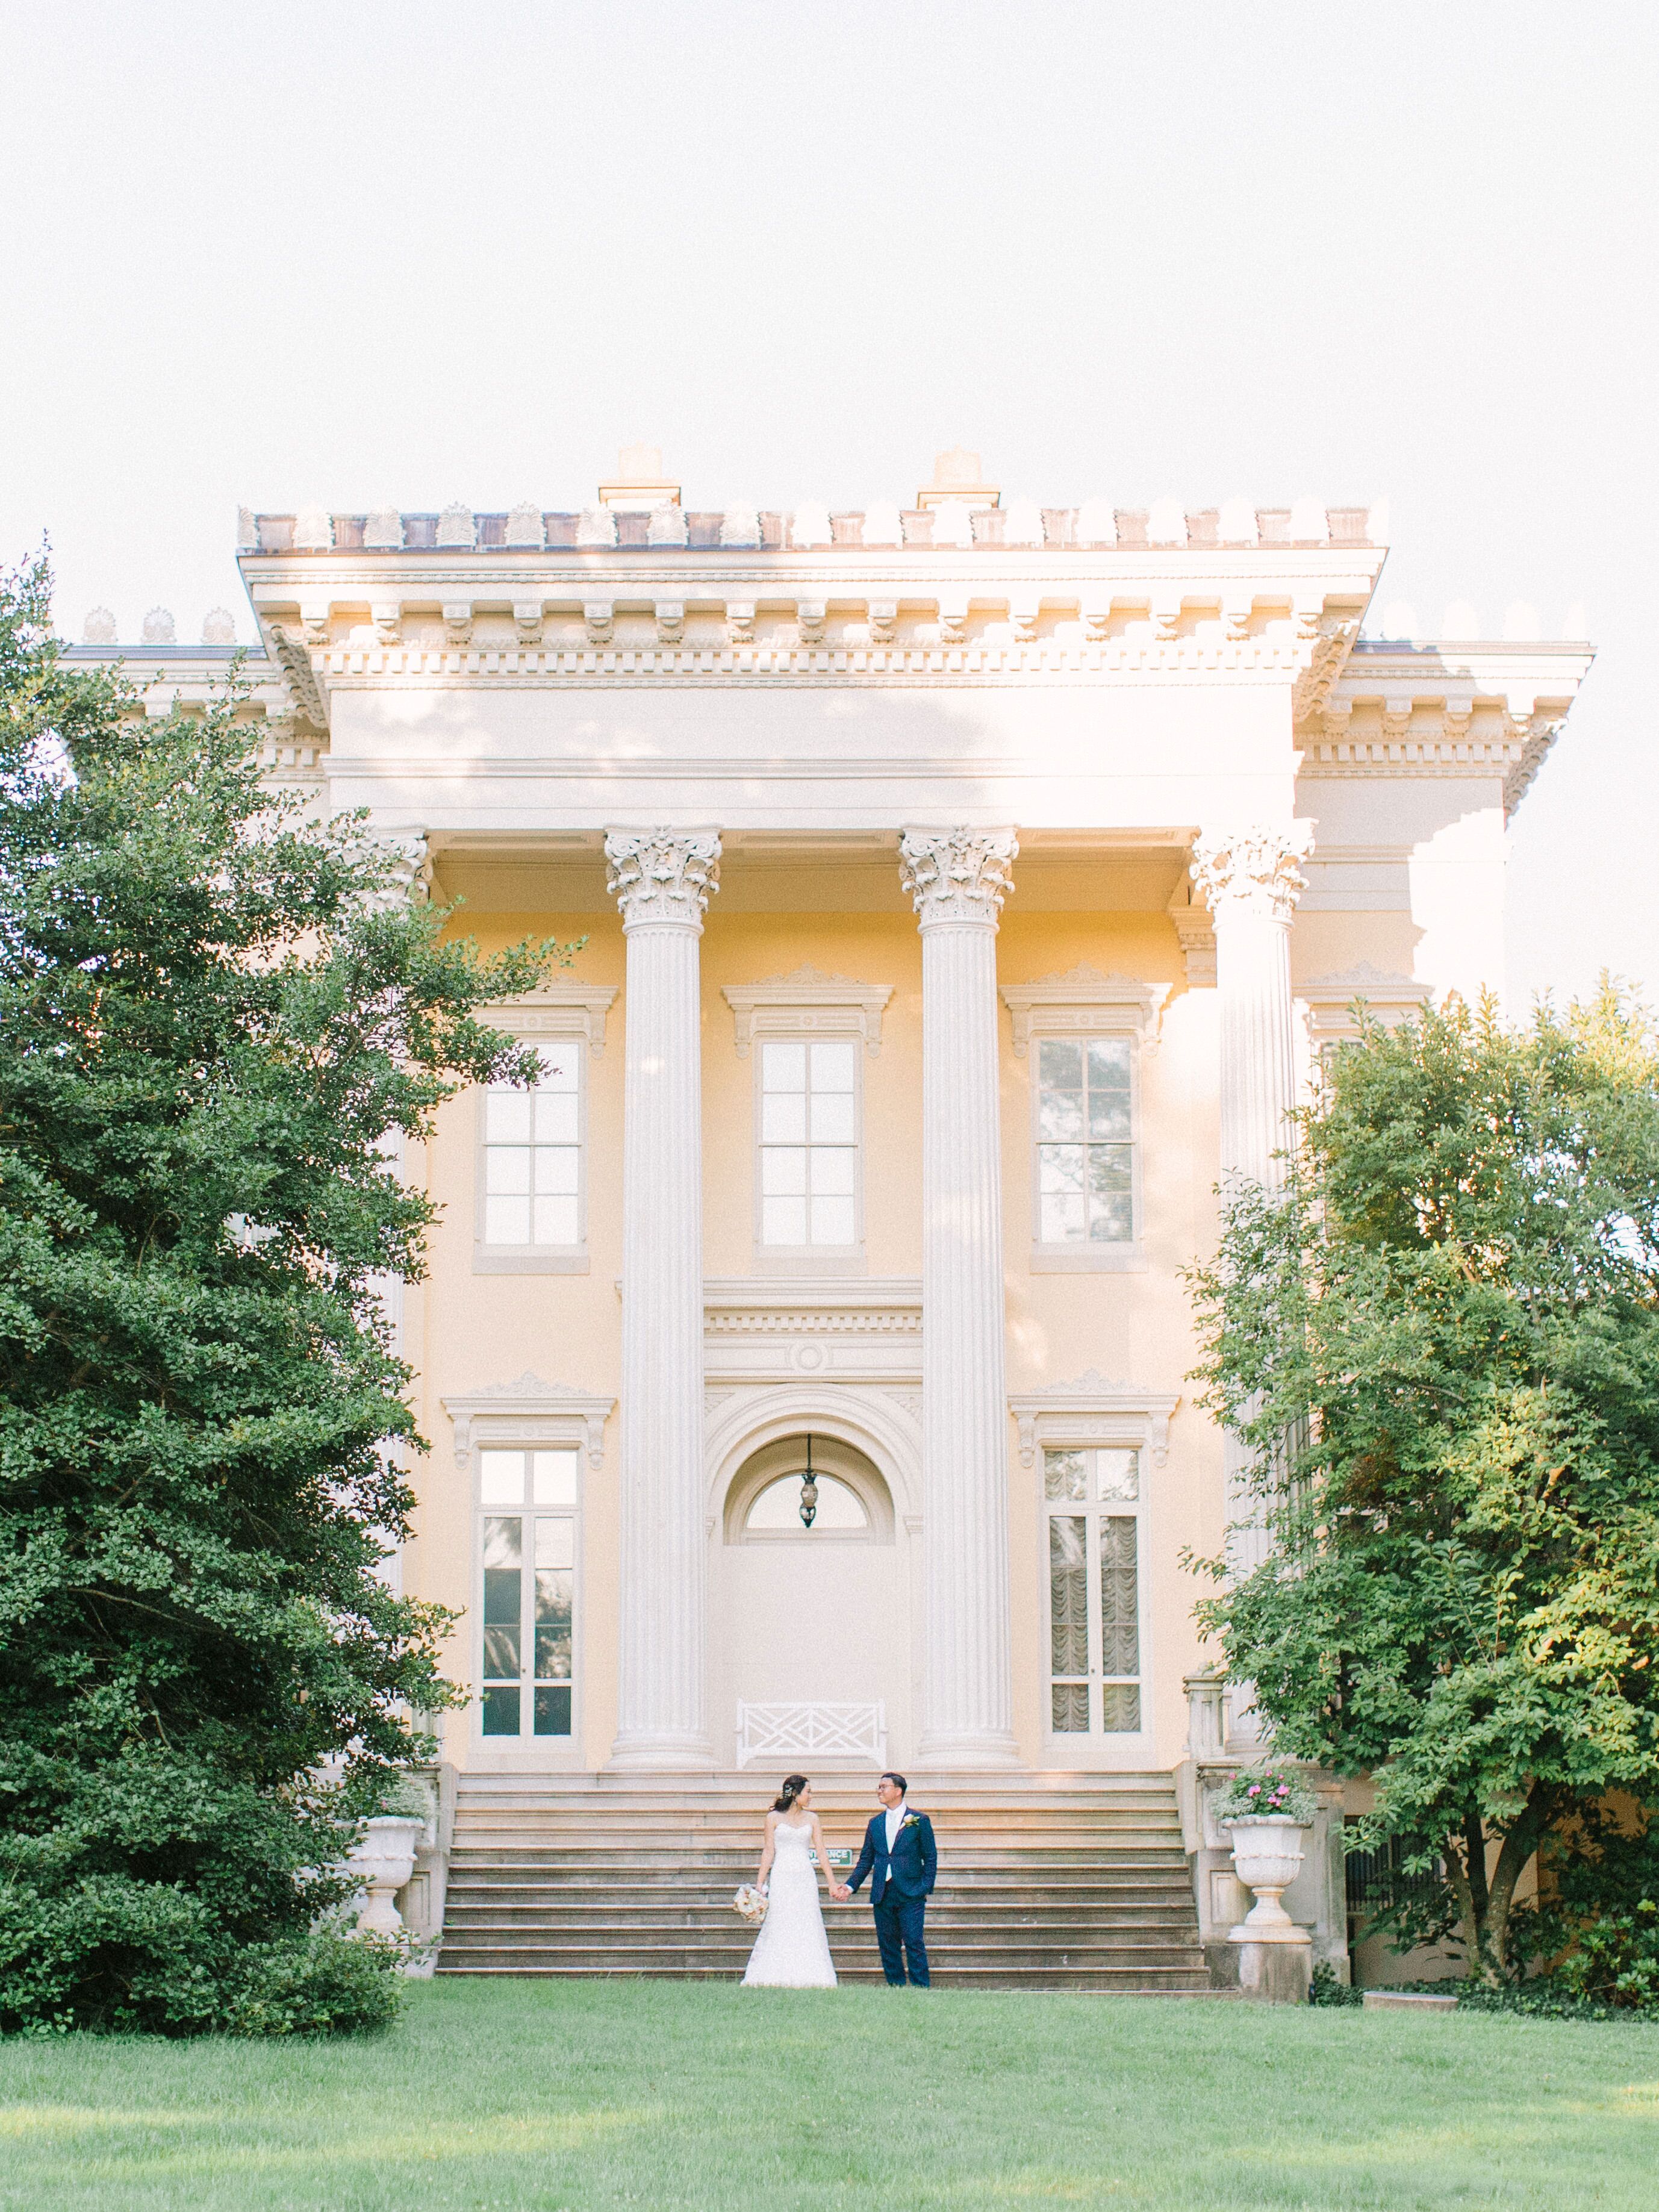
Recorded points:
473,1914
752,1803
1080,1884
1120,1958
985,1861
602,1834
662,1897
1130,1981
756,1782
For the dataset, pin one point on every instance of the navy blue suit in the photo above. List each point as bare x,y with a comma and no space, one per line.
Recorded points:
899,1894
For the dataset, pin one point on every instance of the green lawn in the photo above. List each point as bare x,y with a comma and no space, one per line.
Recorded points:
670,2095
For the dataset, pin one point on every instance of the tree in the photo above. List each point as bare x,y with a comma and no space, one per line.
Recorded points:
213,1014
1452,1311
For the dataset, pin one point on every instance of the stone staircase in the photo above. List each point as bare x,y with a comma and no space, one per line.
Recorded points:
1046,1881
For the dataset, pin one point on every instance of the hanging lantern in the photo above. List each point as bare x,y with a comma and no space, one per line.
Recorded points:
809,1489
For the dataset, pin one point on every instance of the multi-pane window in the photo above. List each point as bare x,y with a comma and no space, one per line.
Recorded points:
1085,1141
776,1510
809,1141
1092,1503
532,1158
528,1546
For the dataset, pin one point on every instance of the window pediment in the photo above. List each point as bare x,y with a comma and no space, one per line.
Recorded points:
558,1009
1388,999
1085,1003
807,1003
528,1412
1093,1411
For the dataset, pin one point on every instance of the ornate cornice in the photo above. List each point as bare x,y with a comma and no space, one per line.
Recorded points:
957,875
1253,868
1485,711
663,655
659,876
1434,739
294,659
1331,638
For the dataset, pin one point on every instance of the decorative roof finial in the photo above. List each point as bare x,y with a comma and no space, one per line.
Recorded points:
99,628
639,484
218,627
958,477
158,627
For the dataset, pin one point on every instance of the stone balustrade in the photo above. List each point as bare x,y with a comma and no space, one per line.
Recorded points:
1022,525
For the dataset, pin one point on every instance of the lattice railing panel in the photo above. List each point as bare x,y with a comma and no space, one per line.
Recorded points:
804,1729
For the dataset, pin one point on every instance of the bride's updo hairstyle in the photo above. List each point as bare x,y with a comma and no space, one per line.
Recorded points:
792,1786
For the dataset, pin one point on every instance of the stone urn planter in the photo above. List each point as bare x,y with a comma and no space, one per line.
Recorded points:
383,1862
1275,1957
1266,1855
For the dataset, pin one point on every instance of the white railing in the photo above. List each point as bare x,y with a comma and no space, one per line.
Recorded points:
804,1730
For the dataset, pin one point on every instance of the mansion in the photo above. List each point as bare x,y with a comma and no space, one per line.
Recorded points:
959,891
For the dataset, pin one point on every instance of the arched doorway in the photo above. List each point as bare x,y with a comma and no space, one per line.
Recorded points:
810,1623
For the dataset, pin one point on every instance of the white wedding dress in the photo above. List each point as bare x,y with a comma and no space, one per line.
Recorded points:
791,1950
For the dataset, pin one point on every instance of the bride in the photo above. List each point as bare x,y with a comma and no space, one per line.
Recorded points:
791,1950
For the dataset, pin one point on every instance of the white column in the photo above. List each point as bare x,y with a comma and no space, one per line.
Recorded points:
958,879
662,879
1250,879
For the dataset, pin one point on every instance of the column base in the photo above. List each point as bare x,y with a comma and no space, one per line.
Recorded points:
967,1750
637,1752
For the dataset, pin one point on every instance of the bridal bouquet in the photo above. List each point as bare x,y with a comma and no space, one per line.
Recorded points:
751,1904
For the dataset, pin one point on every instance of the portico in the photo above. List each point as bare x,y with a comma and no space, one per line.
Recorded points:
961,891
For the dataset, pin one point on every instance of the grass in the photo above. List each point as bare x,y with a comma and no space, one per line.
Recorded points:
669,2095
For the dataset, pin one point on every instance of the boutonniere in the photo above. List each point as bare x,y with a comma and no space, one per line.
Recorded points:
909,1821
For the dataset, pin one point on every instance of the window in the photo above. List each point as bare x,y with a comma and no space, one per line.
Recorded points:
527,1549
1085,1179
1093,1506
531,1198
777,1508
808,1117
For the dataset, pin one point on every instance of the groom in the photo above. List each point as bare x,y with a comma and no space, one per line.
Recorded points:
898,1844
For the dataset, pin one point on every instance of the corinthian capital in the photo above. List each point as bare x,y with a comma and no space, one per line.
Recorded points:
1253,869
662,875
957,875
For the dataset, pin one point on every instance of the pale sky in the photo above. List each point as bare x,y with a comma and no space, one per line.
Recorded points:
362,251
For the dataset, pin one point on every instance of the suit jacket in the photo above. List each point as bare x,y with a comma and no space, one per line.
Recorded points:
912,1864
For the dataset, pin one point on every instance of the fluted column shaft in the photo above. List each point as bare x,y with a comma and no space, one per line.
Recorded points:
1251,881
957,880
661,880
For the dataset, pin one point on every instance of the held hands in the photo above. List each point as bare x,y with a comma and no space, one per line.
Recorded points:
839,1892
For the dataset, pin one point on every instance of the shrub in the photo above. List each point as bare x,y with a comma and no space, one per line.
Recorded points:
1593,1933
218,1019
